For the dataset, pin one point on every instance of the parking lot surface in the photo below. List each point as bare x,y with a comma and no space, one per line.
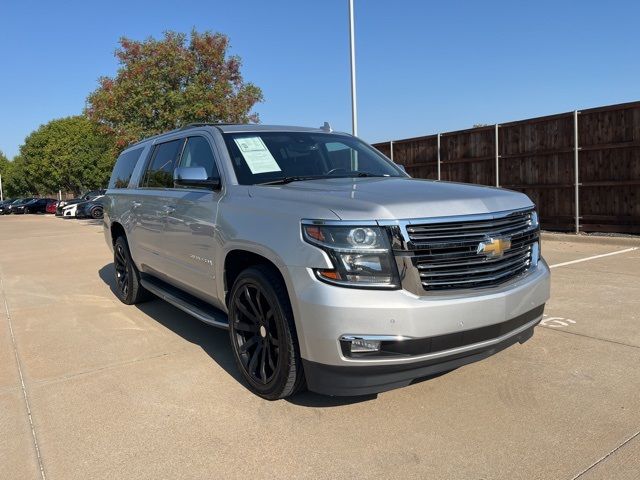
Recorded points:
91,388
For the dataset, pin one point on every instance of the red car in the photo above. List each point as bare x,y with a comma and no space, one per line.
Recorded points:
51,206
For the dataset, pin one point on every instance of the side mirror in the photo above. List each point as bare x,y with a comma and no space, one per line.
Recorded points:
194,177
401,167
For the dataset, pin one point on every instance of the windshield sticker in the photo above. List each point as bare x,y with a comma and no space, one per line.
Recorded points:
257,155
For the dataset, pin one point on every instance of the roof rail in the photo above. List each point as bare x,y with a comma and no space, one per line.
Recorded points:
205,124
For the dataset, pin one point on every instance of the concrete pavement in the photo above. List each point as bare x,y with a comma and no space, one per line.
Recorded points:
148,392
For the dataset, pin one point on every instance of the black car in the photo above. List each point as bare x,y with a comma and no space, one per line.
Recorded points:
5,209
4,205
17,206
87,196
90,209
37,205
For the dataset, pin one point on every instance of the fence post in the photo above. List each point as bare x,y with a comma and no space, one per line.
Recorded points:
439,157
391,150
497,158
576,168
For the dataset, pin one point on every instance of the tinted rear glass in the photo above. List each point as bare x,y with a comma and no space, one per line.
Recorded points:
124,167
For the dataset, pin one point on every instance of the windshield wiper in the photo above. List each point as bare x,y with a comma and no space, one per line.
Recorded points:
300,178
285,180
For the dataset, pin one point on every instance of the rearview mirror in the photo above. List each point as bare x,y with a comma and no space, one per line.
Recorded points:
194,177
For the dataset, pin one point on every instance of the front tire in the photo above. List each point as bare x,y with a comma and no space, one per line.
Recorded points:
128,287
263,334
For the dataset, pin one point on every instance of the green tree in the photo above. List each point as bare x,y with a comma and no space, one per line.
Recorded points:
69,154
164,84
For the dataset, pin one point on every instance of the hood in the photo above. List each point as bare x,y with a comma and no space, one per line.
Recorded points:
384,198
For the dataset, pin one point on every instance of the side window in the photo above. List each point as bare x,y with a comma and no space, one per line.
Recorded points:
159,172
123,168
197,153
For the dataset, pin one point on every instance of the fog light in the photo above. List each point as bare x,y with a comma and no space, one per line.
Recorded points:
361,345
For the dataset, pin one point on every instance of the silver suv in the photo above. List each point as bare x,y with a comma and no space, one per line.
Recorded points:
331,268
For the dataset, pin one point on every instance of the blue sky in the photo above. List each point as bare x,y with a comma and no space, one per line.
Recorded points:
423,66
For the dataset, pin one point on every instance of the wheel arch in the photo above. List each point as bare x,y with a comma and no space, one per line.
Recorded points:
238,259
117,230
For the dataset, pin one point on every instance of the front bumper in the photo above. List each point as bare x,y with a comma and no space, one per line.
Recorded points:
69,213
325,313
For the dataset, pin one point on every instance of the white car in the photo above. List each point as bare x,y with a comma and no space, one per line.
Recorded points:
69,211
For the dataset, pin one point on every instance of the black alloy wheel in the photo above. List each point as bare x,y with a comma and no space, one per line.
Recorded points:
128,287
122,270
96,213
263,335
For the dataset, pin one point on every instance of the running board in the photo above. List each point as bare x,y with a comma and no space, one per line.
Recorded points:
187,303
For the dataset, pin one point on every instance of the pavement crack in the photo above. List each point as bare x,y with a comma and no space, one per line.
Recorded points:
604,457
591,337
90,371
22,384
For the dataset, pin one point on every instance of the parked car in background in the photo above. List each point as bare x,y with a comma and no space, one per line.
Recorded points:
37,205
91,209
51,206
7,207
17,207
87,196
4,205
69,211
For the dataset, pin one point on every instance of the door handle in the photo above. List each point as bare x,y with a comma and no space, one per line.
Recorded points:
135,205
168,209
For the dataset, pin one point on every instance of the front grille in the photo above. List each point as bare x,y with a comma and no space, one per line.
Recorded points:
446,253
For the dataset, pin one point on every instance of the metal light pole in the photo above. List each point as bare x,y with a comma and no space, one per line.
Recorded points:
354,110
1,194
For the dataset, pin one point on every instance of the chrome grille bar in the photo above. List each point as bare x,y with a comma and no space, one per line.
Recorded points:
446,256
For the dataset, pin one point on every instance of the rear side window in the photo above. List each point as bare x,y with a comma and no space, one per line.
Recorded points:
159,173
123,169
197,153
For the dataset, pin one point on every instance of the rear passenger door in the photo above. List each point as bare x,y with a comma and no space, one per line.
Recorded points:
152,205
191,226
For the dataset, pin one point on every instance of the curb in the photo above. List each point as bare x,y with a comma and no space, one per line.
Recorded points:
632,241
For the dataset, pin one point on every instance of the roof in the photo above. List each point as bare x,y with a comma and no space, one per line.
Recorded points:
237,128
256,127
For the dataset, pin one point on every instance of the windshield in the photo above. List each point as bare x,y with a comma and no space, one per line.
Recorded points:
271,157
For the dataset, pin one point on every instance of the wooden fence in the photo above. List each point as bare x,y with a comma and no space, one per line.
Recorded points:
588,159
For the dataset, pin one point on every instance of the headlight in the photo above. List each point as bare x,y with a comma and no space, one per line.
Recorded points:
361,255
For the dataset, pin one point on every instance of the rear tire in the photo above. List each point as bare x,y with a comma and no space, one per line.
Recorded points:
263,334
127,276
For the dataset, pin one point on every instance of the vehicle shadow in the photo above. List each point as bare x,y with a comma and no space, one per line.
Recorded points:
90,221
215,343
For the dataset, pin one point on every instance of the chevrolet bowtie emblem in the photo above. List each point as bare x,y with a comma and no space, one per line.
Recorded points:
494,247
